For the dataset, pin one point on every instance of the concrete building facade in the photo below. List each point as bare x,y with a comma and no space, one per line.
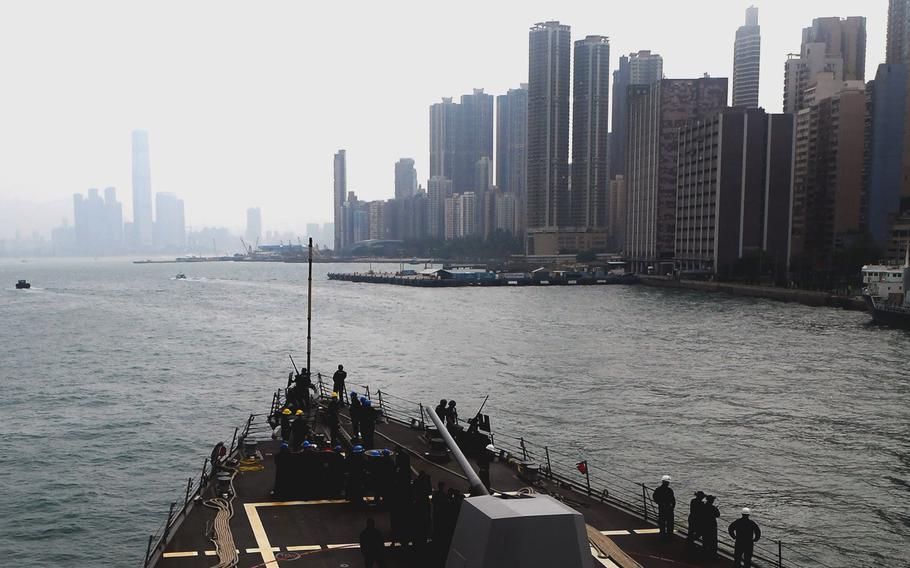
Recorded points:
590,127
616,214
828,178
656,112
897,48
887,153
460,215
642,68
548,129
253,225
444,124
142,191
511,142
734,185
829,45
747,61
170,222
474,139
340,192
439,189
405,178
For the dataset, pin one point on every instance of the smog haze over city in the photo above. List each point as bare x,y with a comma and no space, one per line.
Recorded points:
246,104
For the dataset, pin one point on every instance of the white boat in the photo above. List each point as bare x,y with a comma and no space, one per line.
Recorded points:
882,282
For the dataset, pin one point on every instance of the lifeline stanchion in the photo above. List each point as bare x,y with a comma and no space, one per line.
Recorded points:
167,525
202,477
189,485
644,500
148,550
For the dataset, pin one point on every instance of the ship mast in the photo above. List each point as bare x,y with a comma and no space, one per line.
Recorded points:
309,302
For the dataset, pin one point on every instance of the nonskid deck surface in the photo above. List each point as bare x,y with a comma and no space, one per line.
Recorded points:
325,532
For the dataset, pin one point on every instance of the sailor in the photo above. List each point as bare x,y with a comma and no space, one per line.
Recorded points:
400,508
420,513
484,475
402,463
286,424
384,476
746,533
441,410
440,499
281,464
303,387
338,383
452,422
218,453
300,430
336,471
666,502
707,526
354,491
695,515
307,482
355,415
331,417
451,415
291,391
456,498
484,457
367,422
371,544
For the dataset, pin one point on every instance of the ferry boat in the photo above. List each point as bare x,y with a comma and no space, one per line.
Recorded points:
267,498
885,292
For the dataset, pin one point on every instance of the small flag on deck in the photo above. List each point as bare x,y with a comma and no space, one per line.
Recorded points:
582,466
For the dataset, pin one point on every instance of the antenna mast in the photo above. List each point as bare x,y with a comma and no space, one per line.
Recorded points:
309,303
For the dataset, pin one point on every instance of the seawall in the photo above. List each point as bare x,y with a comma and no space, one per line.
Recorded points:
805,297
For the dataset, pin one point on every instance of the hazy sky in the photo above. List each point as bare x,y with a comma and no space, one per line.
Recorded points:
246,102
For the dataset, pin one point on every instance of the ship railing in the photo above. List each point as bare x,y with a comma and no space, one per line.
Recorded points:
401,409
196,485
607,486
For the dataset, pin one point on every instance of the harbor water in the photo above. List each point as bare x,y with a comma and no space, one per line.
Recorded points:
117,379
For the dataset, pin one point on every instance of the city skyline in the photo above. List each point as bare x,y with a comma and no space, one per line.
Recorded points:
222,163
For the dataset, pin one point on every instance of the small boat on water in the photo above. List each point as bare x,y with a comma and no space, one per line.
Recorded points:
22,285
181,276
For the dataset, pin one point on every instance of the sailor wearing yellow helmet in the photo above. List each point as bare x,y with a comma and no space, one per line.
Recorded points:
300,430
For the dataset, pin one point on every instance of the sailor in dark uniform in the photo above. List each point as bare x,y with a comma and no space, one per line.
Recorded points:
707,526
451,416
338,383
441,410
666,502
355,415
746,533
303,386
372,545
695,515
367,422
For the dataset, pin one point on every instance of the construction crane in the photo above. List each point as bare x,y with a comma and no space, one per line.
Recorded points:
246,248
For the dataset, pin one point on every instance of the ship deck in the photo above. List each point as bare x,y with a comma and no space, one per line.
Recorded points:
325,532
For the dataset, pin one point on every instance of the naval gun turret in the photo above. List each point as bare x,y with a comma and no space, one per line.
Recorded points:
534,531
